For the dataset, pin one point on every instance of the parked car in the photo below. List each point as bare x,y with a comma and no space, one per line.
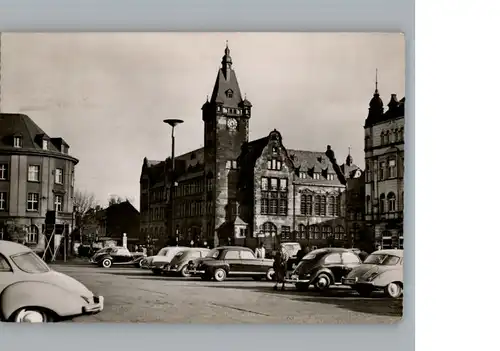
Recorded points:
164,256
31,292
381,270
101,252
231,261
179,264
120,256
323,267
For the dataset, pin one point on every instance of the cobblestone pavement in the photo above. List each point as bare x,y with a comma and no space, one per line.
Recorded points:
135,295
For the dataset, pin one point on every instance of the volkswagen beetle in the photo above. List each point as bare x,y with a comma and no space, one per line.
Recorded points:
382,270
31,292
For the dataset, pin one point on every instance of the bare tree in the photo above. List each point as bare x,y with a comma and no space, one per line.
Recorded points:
85,205
114,199
16,232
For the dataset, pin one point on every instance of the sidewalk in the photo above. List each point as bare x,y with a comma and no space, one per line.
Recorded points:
73,261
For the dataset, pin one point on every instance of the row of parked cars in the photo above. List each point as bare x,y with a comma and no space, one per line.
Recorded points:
321,268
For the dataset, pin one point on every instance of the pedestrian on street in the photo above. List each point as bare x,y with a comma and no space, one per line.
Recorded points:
260,252
280,267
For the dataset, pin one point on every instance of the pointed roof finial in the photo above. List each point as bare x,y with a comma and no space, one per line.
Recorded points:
245,96
207,98
349,152
376,80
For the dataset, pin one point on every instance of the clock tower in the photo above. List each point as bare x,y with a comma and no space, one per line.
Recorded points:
226,116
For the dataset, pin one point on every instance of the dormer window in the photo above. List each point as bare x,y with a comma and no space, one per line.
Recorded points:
316,176
302,175
275,150
229,93
330,176
45,144
18,141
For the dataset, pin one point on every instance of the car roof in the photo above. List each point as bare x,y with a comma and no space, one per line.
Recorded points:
330,249
233,248
394,252
8,248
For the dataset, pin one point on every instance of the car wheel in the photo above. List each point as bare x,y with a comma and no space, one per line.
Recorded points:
322,283
302,286
364,291
393,290
32,315
219,274
184,272
106,263
270,275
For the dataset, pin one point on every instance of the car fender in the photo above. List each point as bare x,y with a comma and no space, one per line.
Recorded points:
321,271
40,294
105,257
212,266
386,277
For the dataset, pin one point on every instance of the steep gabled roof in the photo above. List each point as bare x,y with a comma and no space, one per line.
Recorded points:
222,86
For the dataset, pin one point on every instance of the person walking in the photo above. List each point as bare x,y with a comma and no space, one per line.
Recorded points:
260,252
280,267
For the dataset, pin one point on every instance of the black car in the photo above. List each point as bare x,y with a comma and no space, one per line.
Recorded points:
120,256
323,267
231,261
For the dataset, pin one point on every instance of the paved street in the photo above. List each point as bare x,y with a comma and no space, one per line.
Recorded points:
135,295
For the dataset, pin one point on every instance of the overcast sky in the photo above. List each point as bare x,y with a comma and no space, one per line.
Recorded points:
106,94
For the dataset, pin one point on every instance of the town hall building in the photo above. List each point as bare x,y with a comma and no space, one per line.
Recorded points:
236,191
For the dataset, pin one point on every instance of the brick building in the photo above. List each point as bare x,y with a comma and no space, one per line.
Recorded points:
236,191
384,176
36,175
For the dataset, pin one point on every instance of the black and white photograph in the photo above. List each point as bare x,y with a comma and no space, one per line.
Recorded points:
202,178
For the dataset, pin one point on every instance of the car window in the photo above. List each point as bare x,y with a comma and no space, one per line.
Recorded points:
348,257
382,259
29,262
232,255
333,258
122,251
4,265
247,255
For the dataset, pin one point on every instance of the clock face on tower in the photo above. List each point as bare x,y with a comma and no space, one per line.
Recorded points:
232,123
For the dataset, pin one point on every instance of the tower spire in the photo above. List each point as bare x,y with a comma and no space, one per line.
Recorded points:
376,80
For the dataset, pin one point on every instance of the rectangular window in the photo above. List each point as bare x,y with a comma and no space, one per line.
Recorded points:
316,176
285,232
265,184
264,206
59,176
283,207
45,144
235,165
381,169
302,175
3,201
330,176
34,173
273,206
18,142
4,171
58,203
274,165
392,168
32,202
274,184
228,164
283,184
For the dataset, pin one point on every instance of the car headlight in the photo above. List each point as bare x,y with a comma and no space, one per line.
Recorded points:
174,266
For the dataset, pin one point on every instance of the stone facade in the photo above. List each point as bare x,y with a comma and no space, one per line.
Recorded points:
36,176
384,176
236,191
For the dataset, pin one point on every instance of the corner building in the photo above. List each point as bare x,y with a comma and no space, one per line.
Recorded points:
384,174
36,175
236,191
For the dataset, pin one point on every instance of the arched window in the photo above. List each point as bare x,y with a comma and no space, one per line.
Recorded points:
32,235
326,232
334,205
339,233
391,200
269,229
306,204
382,203
302,231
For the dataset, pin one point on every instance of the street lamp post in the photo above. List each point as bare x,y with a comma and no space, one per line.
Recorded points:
173,123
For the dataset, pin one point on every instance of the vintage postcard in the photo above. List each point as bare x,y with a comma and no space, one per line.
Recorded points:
202,177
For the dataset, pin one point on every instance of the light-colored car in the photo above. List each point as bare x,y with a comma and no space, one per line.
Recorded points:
179,263
164,256
381,270
31,292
